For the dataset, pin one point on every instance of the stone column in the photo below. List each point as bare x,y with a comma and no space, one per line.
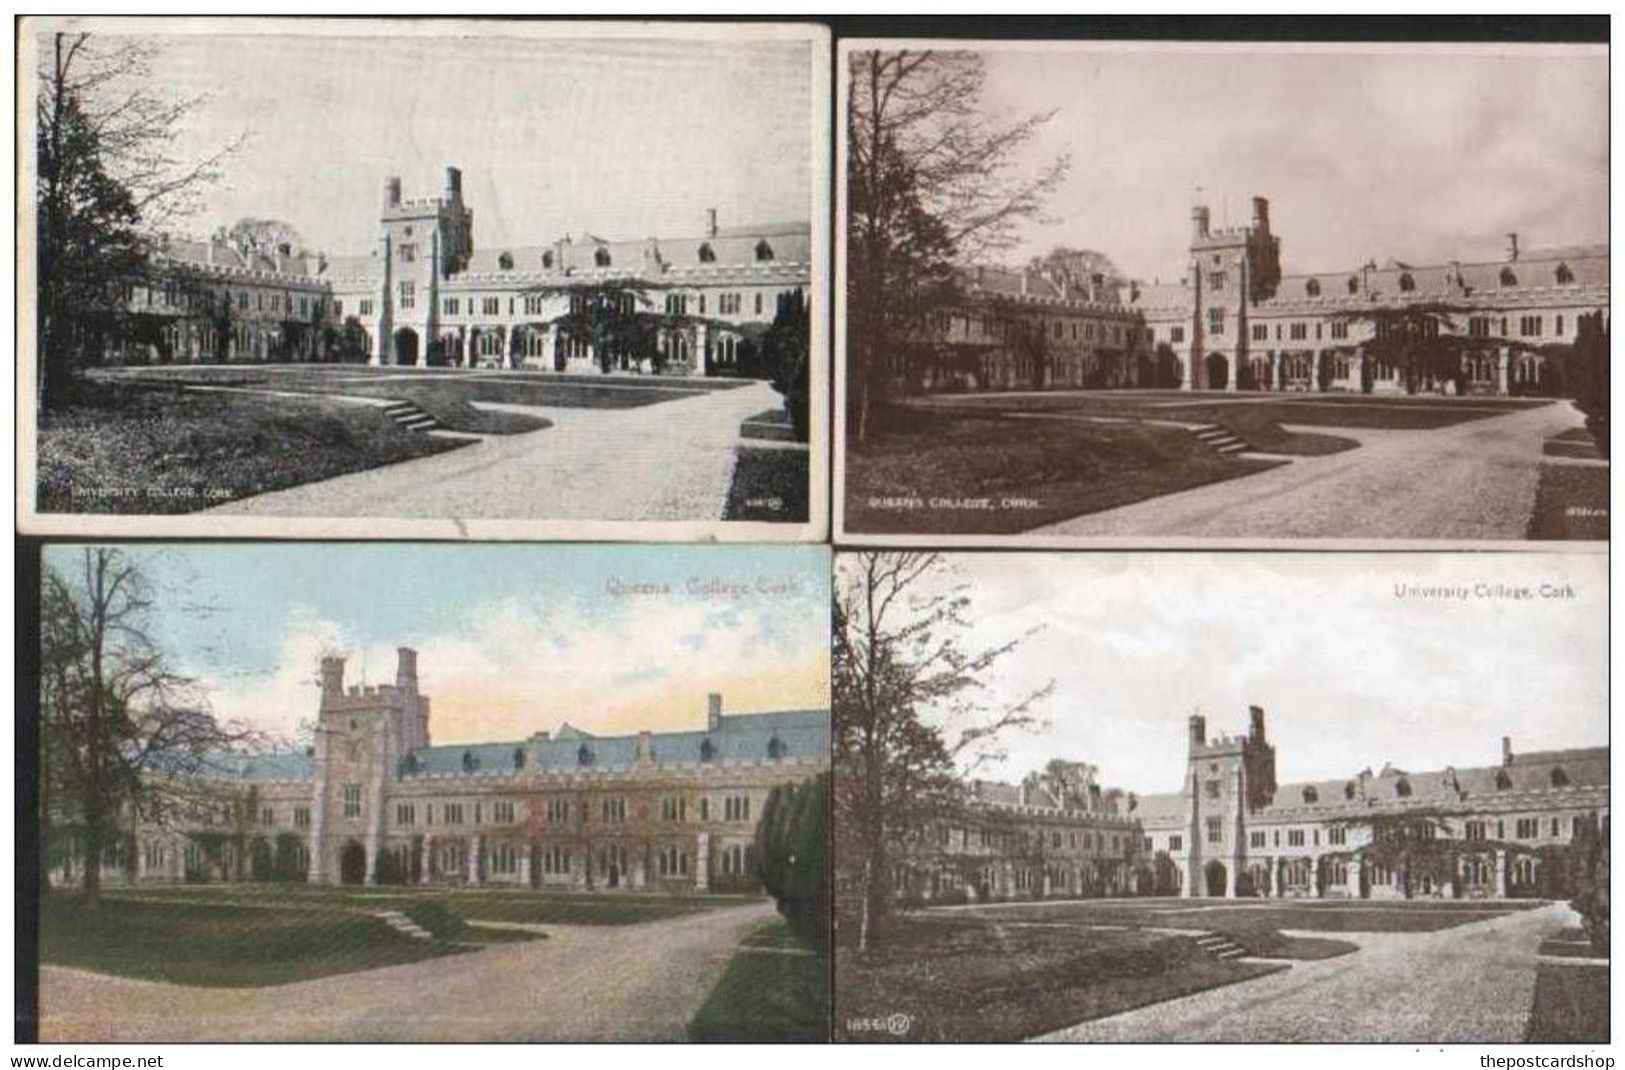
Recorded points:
426,863
1502,361
700,340
702,862
1500,874
474,874
1185,365
1233,363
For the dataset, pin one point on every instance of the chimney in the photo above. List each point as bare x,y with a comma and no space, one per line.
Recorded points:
645,750
1024,282
1455,274
406,669
713,711
1512,245
1261,214
392,191
1506,750
1198,730
332,675
1257,714
1199,222
710,222
454,183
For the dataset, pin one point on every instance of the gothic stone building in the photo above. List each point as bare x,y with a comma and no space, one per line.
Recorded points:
666,811
1233,830
426,294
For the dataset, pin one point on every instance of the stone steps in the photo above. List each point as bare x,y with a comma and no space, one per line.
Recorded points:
1220,947
403,924
410,417
1218,439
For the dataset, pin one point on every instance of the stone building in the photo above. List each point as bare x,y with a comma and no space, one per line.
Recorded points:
374,798
427,294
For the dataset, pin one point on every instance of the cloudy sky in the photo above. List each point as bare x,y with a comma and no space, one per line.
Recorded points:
1420,153
624,138
1349,673
511,639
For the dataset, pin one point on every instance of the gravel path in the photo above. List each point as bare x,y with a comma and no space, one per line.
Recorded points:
1474,480
1473,984
670,461
583,983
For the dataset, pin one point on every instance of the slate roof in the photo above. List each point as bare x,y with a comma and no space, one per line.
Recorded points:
258,768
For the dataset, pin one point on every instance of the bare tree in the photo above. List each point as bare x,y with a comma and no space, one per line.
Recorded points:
125,737
911,714
931,182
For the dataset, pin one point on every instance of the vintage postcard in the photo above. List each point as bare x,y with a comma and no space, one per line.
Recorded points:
1175,294
1205,798
429,792
423,278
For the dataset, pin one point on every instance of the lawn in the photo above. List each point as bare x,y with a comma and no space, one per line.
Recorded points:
228,945
968,978
770,483
775,989
1571,502
1255,923
1576,442
963,473
1571,1005
125,449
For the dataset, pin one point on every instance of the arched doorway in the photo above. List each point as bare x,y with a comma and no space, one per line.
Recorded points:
406,346
1215,874
353,864
1218,371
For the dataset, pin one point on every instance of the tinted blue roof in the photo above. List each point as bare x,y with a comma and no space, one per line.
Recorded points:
249,768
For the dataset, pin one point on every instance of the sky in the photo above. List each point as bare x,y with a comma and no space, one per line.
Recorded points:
1419,153
624,138
511,639
1349,674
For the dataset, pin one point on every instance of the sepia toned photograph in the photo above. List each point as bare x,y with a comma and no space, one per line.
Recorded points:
423,792
1193,798
424,278
1222,292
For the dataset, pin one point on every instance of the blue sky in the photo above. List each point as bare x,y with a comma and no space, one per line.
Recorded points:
511,638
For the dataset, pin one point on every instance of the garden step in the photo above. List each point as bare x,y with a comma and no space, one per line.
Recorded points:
1219,439
410,417
403,924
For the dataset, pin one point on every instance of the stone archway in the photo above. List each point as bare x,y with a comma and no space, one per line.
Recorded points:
406,346
1215,878
353,864
1218,371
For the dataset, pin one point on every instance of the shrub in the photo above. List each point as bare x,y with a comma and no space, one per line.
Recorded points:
792,855
1590,878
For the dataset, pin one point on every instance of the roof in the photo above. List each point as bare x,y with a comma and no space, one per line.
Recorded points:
740,737
1162,808
257,768
735,247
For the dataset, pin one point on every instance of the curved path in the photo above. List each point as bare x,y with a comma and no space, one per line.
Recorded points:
1473,984
582,983
673,460
1473,480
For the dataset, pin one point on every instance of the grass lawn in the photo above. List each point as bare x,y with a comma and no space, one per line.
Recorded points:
1575,442
124,449
228,945
963,473
776,989
773,425
1256,924
1571,1005
769,483
1571,502
967,978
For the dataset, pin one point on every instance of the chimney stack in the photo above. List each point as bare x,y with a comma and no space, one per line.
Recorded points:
1199,222
710,222
1506,750
392,191
1257,713
1512,245
454,183
1261,213
1198,730
406,669
713,711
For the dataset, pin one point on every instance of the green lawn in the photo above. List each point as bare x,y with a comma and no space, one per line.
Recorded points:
962,977
123,449
1571,502
966,473
1257,923
228,945
769,483
776,989
1571,1005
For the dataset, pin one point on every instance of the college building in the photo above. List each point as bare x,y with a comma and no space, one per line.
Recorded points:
374,800
425,294
1236,321
1234,831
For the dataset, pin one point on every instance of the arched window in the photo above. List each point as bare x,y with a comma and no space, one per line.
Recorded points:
1564,275
519,757
601,258
547,259
1560,779
1310,795
708,750
764,251
1406,281
1402,788
1354,284
505,262
1508,278
584,755
1348,790
1312,287
708,255
775,747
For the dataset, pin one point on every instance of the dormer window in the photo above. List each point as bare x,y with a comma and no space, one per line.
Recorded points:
547,259
470,763
1564,275
584,755
1354,284
505,262
519,757
764,251
1503,780
1402,788
1560,779
1312,287
1508,277
1407,282
1310,796
708,255
1348,790
708,750
601,258
775,747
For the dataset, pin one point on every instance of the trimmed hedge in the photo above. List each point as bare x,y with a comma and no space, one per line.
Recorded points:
792,855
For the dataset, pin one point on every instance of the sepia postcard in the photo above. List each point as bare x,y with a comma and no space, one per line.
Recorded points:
1222,293
427,278
1203,798
428,792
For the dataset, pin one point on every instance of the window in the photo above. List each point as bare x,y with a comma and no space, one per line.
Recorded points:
1503,780
1560,326
338,308
1508,277
1294,837
775,747
1529,326
452,306
764,251
735,860
1215,830
728,304
1261,332
1176,334
1310,795
1338,835
584,755
492,306
352,800
1215,321
505,262
676,304
1474,831
267,815
1340,329
1556,826
1312,287
408,252
708,255
1407,282
504,859
671,861
601,258
1354,284
758,302
1176,843
452,813
613,810
301,817
408,294
1478,326
366,306
1528,828
1256,839
242,301
1564,275
502,812
555,860
1402,788
405,814
674,808
1298,331
1559,778
736,808
1215,280
708,750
